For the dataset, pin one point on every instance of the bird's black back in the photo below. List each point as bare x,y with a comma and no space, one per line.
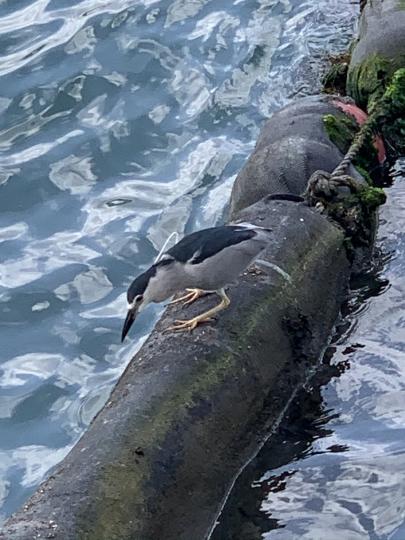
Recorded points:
200,245
194,249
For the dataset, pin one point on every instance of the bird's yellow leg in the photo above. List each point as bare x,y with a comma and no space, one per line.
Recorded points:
204,317
191,296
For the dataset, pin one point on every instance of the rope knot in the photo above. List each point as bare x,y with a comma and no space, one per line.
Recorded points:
323,187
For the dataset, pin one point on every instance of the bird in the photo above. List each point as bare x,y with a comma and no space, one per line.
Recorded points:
203,262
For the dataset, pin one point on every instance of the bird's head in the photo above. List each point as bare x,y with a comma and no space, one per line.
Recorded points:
138,298
154,285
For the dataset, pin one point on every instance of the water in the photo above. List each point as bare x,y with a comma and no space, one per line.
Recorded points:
120,122
336,468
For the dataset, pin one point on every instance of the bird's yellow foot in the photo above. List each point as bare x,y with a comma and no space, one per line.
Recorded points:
191,296
203,317
189,325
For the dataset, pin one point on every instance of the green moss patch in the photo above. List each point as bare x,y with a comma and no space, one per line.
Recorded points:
356,214
367,81
341,130
371,198
380,83
391,112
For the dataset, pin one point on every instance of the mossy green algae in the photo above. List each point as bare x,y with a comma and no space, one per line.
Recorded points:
342,129
371,197
391,112
378,82
367,81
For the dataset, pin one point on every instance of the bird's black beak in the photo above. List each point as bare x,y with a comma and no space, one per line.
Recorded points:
129,320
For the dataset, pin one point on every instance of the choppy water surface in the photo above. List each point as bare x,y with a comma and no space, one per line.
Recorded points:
120,122
335,470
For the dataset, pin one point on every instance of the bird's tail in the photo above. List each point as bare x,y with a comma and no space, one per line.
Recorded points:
253,227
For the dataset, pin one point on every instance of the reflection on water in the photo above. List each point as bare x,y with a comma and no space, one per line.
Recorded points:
336,468
120,122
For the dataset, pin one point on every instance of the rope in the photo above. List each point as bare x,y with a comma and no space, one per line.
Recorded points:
358,141
323,184
386,108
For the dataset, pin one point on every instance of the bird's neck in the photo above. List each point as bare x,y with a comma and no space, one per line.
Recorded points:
165,283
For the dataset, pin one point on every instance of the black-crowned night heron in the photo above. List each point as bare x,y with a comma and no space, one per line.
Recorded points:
202,262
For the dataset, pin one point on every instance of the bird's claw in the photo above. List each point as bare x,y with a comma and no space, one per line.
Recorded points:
189,325
189,298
